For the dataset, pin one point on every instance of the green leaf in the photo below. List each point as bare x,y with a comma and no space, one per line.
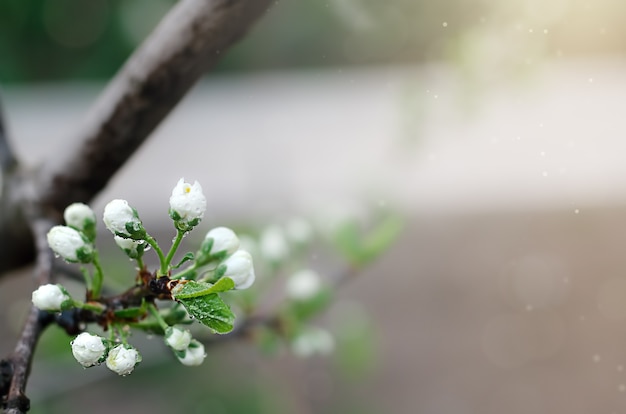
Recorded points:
188,257
129,313
363,247
305,310
192,288
211,311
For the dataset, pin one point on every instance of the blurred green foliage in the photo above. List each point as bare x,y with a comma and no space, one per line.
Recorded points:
49,40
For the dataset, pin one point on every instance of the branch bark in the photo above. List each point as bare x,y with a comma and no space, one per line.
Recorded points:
21,359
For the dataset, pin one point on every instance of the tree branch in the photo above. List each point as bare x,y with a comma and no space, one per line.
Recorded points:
189,40
20,361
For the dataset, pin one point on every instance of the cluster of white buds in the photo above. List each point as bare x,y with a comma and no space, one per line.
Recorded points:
219,256
91,350
189,351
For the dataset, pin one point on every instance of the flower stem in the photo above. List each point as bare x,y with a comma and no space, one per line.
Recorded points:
86,276
97,277
155,312
185,272
152,242
88,306
170,255
140,263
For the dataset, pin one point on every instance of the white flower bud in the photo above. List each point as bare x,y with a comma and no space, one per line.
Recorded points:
313,341
303,285
50,297
193,355
122,360
70,244
218,243
132,248
299,230
224,240
122,220
240,269
187,205
81,217
88,349
177,338
273,245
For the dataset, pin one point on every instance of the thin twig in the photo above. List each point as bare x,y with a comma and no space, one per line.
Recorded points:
192,37
21,359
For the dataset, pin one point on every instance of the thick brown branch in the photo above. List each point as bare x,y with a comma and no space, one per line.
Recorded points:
189,40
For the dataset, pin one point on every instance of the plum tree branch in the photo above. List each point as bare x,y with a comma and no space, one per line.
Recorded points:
20,361
189,40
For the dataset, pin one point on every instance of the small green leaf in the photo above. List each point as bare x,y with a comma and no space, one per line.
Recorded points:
129,313
211,311
305,310
188,257
363,247
192,288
